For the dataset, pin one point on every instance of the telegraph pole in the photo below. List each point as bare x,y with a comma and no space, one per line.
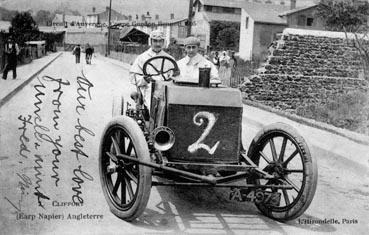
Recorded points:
108,49
189,21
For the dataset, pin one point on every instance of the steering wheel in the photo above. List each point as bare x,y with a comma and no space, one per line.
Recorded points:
161,72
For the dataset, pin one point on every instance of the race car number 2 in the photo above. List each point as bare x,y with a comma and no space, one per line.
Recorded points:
198,120
257,196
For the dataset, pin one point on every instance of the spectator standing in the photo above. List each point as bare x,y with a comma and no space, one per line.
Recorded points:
89,51
233,65
77,53
215,60
224,69
11,51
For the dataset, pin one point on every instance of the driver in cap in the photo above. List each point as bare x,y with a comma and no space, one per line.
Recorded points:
157,42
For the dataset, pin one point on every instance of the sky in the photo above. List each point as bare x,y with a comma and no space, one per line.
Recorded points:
162,7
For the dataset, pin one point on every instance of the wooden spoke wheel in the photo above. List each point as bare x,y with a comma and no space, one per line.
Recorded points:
280,151
126,185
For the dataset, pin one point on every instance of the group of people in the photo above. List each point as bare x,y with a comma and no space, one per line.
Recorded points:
226,63
77,50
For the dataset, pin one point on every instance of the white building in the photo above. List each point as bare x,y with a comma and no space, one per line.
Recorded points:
207,11
260,24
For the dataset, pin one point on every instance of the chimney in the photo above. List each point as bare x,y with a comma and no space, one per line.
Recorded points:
148,17
143,18
293,4
129,17
156,17
107,8
136,17
93,9
172,16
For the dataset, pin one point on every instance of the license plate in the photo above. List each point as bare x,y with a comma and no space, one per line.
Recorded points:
257,196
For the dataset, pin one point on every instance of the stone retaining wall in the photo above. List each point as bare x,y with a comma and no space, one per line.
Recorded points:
290,92
304,69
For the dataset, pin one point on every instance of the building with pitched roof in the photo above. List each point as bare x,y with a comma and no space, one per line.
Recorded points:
103,17
260,24
304,17
64,20
173,28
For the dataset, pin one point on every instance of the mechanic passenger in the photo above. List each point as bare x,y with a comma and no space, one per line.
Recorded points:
190,64
157,41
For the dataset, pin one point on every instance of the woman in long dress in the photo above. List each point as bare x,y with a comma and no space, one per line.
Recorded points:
224,69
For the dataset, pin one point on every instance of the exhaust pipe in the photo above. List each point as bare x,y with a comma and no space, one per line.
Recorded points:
163,138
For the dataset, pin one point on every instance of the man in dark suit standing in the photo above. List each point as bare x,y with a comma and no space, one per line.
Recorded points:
11,51
77,53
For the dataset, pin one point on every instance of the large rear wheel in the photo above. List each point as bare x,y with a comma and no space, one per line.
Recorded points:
126,185
280,151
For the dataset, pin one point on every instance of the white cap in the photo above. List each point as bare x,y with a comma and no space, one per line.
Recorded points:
157,34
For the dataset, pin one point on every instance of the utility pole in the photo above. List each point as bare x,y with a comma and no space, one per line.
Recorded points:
189,21
108,49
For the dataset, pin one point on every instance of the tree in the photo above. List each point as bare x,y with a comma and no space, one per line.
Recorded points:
24,28
43,18
228,38
349,16
218,26
345,15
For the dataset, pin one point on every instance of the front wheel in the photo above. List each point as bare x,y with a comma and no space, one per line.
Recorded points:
126,185
280,151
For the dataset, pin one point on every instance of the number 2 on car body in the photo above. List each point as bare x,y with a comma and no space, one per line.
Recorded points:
198,120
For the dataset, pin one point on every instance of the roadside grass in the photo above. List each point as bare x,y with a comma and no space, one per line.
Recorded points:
349,111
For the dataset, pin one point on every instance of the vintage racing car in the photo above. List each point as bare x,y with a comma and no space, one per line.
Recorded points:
192,137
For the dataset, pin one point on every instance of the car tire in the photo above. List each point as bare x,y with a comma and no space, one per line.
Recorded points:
133,180
309,172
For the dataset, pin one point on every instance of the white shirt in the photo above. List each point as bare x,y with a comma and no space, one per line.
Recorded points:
137,66
189,68
136,71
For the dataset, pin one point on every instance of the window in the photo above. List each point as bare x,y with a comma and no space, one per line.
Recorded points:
182,32
217,9
301,21
309,21
237,11
247,22
208,8
228,10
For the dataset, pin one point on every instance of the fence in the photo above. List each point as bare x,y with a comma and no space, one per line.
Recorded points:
242,70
